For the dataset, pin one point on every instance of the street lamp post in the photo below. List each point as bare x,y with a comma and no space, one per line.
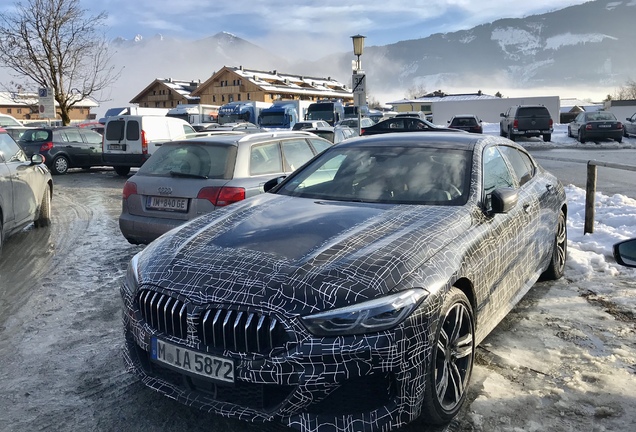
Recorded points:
359,78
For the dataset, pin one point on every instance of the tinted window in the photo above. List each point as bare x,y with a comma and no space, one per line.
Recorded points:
192,159
187,129
521,163
533,111
265,159
132,130
115,130
71,135
35,135
92,138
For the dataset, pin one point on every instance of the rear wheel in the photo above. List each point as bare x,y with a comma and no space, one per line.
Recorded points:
1,233
559,251
619,139
581,136
122,170
451,363
511,136
502,132
60,165
547,137
44,216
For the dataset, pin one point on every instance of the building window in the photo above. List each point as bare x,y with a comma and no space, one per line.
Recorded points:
230,98
156,104
19,110
81,110
249,97
171,103
222,98
425,108
170,92
8,110
154,92
238,96
164,104
213,98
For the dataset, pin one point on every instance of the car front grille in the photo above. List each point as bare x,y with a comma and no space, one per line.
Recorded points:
217,328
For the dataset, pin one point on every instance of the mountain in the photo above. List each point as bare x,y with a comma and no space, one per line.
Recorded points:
568,52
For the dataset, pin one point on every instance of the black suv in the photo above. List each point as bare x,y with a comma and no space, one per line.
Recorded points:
64,147
527,121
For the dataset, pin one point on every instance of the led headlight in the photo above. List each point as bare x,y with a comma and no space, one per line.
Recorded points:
366,317
131,281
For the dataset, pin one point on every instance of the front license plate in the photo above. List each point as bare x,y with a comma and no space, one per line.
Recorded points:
193,362
166,203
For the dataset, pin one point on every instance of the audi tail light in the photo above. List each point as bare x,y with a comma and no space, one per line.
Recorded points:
222,196
130,188
144,142
619,125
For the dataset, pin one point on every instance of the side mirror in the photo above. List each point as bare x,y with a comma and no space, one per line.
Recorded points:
503,200
271,184
502,115
37,159
625,253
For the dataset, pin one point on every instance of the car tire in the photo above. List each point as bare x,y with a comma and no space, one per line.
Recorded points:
44,215
570,132
502,133
619,140
547,137
559,251
59,165
581,137
122,170
511,136
451,363
1,233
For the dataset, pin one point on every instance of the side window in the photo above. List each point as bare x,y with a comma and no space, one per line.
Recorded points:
132,130
187,129
92,138
495,172
521,164
10,150
319,145
265,159
296,152
72,135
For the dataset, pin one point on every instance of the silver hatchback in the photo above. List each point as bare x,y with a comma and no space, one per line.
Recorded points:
185,179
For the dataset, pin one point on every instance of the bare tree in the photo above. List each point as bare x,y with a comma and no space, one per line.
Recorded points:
626,92
415,91
55,44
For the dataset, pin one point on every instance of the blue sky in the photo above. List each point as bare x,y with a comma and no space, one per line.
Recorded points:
330,21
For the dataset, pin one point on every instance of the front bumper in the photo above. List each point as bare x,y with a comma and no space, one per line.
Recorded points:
362,383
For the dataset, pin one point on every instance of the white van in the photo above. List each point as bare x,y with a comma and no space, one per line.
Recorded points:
129,140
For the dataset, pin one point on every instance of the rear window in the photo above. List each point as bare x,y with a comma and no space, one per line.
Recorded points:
197,160
533,111
35,135
115,130
463,121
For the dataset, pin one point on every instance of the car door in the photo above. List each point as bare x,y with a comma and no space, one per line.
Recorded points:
576,124
93,142
73,145
18,184
630,125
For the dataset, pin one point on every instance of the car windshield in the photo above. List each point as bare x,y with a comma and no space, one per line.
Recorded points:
396,175
601,116
191,160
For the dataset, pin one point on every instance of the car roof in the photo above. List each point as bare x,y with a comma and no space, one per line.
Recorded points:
451,140
236,139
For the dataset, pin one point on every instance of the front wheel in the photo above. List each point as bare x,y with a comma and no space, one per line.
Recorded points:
60,165
44,215
559,251
581,137
570,132
451,363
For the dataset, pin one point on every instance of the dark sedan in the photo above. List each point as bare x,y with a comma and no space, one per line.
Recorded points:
64,147
403,124
466,122
591,126
352,296
25,189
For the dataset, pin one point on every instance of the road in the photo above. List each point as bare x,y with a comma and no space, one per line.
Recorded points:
61,335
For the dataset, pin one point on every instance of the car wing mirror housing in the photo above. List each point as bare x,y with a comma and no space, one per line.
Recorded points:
37,159
625,253
271,184
503,200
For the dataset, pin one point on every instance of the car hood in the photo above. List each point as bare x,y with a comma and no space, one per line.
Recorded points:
298,255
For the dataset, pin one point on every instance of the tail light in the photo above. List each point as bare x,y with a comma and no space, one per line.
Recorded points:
515,124
222,196
144,143
551,123
130,188
362,131
46,146
619,125
588,126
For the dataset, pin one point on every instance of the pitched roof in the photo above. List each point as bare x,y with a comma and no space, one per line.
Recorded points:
29,99
183,87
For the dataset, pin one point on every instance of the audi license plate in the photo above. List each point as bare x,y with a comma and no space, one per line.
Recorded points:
605,126
193,362
167,203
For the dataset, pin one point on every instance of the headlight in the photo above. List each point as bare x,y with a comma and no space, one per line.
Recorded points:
367,317
132,275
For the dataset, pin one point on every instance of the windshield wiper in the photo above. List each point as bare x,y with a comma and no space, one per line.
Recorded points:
187,175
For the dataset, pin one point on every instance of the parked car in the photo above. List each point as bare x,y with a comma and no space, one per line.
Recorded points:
595,125
353,122
185,179
417,114
26,189
17,131
629,127
335,134
404,124
8,121
466,122
355,292
64,147
308,124
129,140
526,121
